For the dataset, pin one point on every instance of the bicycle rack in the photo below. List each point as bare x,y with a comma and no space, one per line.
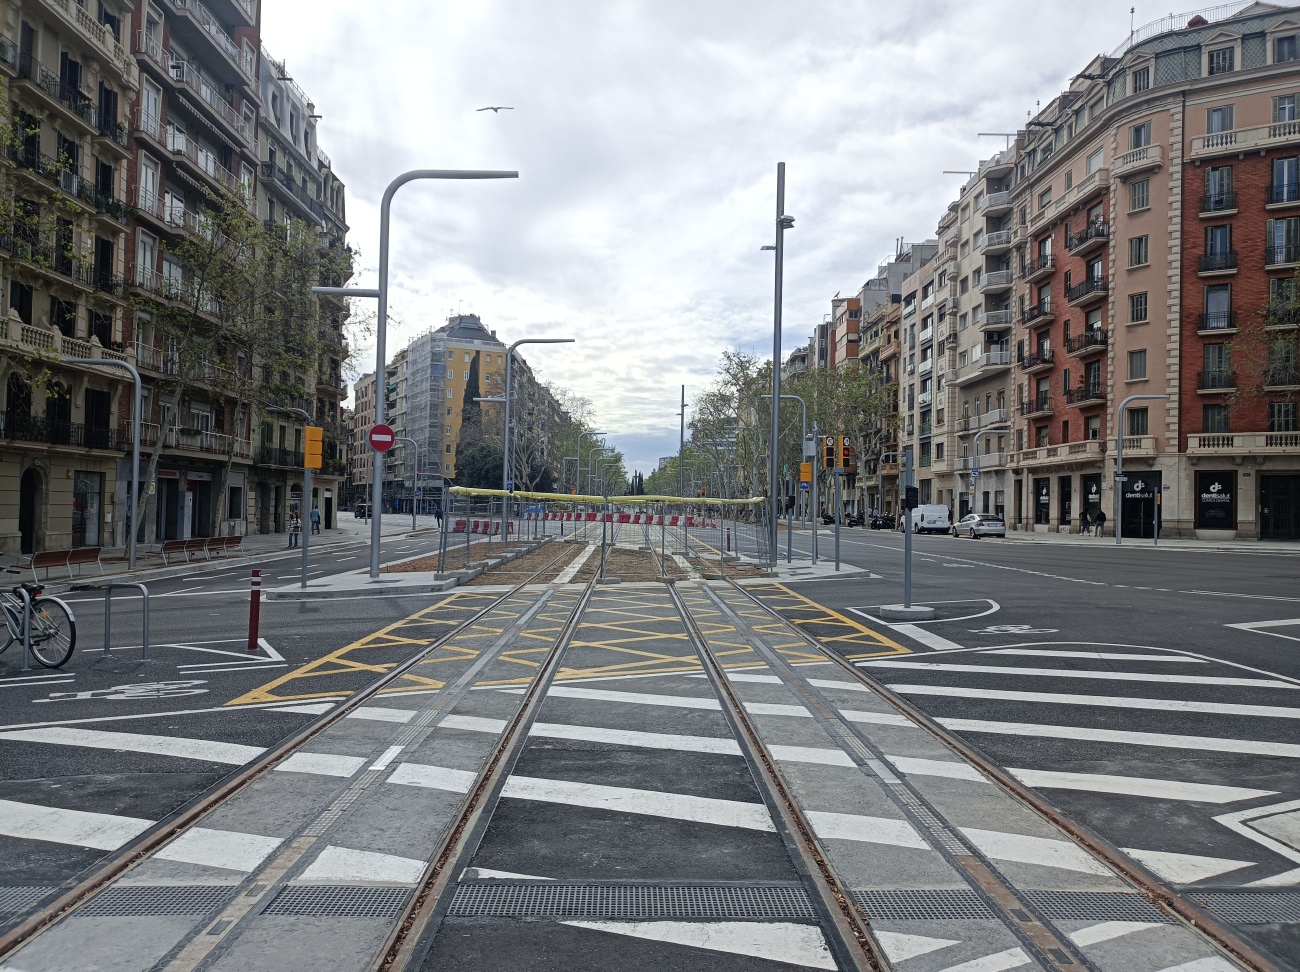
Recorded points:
108,612
27,629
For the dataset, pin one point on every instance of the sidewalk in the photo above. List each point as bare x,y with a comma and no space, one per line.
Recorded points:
1077,539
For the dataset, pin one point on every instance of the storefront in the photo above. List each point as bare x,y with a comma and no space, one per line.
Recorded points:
1140,505
1279,507
1042,501
1216,500
1090,495
87,508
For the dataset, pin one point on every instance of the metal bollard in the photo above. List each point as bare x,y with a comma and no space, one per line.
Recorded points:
27,629
108,618
254,610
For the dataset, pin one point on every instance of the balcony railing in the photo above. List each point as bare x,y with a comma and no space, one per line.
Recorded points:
69,95
101,35
185,73
1244,442
1220,379
1135,160
997,318
1217,321
1215,202
1285,193
997,280
1282,254
996,200
1042,264
218,34
1218,262
1258,137
1089,287
1041,310
1085,394
285,181
1282,376
1000,238
24,427
1096,230
1281,315
1038,405
1093,337
1037,359
204,159
286,458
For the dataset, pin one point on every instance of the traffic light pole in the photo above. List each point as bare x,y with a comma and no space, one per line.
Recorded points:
907,531
837,473
815,459
304,522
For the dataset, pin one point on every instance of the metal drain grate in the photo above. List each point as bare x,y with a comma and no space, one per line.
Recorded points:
338,902
1252,907
499,899
15,900
135,902
923,905
1094,906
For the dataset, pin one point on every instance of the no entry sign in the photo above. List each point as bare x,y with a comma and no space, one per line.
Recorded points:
381,438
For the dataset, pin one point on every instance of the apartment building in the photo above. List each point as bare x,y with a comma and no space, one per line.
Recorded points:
846,316
361,467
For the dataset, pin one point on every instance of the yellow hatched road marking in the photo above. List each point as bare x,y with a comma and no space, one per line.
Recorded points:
828,626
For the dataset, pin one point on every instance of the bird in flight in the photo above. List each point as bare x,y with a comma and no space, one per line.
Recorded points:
496,108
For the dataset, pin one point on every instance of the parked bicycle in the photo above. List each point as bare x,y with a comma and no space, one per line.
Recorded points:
54,629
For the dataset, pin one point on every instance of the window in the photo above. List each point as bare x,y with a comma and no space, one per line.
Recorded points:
1092,427
1218,308
1214,418
1139,195
1283,241
1286,181
449,396
1045,198
1024,215
1218,240
451,355
964,285
1137,421
1284,49
1282,417
1040,436
1141,79
1218,189
448,411
1138,251
1219,119
1094,161
1139,136
1069,180
1284,108
1222,60
1137,369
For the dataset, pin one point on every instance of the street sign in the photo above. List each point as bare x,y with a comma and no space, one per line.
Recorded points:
381,438
419,493
974,474
803,486
1121,479
510,485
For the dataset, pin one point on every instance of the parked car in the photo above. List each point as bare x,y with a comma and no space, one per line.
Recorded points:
361,511
930,518
883,521
976,525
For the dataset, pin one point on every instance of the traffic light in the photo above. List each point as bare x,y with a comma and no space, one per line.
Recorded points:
313,442
911,498
828,453
848,458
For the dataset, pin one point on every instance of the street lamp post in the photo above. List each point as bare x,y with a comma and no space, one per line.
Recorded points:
305,520
381,325
134,506
578,481
591,460
510,357
415,489
1121,479
789,542
783,223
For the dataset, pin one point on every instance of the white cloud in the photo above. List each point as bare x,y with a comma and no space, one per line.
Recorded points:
646,135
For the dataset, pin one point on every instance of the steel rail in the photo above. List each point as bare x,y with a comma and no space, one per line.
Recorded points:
1150,887
851,940
186,816
409,942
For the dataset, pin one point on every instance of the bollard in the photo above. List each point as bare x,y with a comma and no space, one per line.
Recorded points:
27,629
254,610
728,539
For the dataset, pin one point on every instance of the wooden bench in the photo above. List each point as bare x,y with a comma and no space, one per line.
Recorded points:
225,544
196,545
64,558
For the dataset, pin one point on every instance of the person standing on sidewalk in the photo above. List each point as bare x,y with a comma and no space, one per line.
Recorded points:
295,528
1101,522
315,520
1085,522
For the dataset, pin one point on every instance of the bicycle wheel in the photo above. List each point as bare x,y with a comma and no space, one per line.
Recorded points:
54,631
7,627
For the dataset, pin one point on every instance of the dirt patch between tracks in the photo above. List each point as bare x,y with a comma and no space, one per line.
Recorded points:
519,570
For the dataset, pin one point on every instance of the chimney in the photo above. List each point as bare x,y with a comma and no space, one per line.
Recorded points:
494,334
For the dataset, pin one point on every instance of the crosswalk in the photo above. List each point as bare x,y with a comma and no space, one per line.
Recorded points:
1146,747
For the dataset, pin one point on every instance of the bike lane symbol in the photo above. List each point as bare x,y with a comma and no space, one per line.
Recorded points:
138,691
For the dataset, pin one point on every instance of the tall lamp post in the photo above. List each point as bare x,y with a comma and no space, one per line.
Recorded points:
578,481
305,524
591,463
783,223
415,488
1121,479
381,327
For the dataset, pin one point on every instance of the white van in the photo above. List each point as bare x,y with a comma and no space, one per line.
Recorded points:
931,518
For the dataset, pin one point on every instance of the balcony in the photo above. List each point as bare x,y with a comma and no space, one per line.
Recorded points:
1040,313
283,458
989,460
1087,394
1216,323
924,398
1251,443
996,167
1092,289
1216,382
184,73
194,440
1139,445
1039,267
995,320
996,281
986,364
1038,361
100,35
197,22
24,427
1145,159
995,204
995,243
925,367
68,100
1092,185
1038,406
1094,236
1091,341
925,337
1217,264
283,181
1282,378
1282,255
1284,195
1218,203
204,161
994,416
1245,139
926,429
1281,317
1089,449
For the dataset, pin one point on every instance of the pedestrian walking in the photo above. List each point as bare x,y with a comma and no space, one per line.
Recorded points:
1101,522
315,521
437,514
295,528
1085,523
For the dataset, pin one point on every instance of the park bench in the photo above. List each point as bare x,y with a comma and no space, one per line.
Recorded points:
64,558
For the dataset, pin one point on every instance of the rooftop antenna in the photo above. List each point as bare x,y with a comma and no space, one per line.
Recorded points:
1130,24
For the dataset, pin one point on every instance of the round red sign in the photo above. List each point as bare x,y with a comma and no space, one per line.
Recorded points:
381,438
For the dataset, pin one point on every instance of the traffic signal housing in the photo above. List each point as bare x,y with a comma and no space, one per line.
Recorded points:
848,458
828,452
313,443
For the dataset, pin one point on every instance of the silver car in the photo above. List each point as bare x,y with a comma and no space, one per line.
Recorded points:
976,525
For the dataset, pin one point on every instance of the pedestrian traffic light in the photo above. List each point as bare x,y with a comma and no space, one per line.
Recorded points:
313,442
828,453
911,498
848,458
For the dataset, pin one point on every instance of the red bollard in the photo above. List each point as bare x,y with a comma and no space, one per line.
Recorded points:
254,611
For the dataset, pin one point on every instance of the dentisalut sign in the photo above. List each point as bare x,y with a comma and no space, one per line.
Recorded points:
1216,500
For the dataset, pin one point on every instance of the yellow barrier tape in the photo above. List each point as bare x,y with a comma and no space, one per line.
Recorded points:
619,500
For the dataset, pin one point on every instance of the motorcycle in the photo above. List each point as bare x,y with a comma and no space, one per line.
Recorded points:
882,522
856,519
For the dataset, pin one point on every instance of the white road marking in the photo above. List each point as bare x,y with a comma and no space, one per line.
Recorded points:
1137,786
380,714
1105,701
864,829
651,740
473,724
1107,930
205,749
433,777
228,849
1069,673
389,754
80,828
899,947
654,803
1286,879
1106,655
53,681
777,941
1012,958
343,865
1238,821
322,764
1045,851
604,695
316,708
242,668
1184,868
914,631
914,766
1211,963
487,874
1123,737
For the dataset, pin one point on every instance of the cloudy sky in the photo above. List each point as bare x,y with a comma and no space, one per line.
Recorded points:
646,135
